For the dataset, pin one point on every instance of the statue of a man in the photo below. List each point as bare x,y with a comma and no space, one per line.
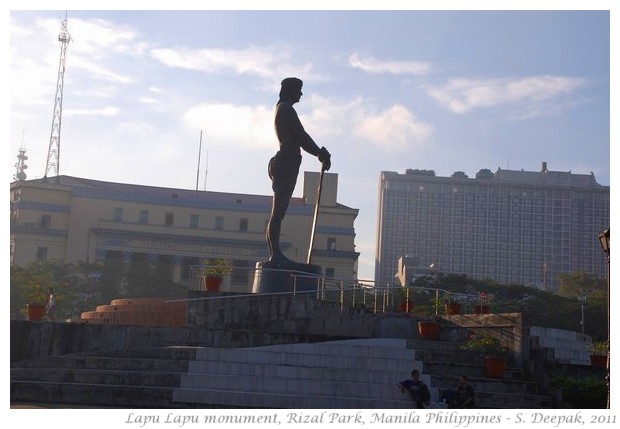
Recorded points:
284,166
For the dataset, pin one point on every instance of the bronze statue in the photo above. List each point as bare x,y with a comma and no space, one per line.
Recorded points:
284,166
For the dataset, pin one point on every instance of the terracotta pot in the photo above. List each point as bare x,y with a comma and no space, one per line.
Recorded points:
213,283
482,309
598,361
496,366
428,330
35,311
406,306
453,308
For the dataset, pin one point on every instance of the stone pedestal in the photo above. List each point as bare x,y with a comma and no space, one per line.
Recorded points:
273,277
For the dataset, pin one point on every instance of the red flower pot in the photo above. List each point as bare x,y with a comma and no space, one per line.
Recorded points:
406,306
428,330
598,361
482,309
213,283
453,308
35,311
496,366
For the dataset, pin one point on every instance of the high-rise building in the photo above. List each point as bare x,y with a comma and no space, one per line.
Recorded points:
520,227
74,219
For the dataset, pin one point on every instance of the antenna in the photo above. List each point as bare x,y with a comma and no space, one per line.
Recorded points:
206,170
53,152
21,162
198,169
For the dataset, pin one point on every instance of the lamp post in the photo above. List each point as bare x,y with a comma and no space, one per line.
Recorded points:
603,237
582,301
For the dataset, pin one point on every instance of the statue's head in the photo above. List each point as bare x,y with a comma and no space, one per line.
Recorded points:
291,89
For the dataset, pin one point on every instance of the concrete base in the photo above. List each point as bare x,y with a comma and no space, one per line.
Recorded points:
274,277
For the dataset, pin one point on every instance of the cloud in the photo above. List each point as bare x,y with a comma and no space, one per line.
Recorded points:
394,127
391,127
373,65
267,62
249,126
105,111
94,42
463,95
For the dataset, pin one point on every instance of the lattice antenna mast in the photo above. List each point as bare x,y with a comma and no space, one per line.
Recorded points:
53,152
20,174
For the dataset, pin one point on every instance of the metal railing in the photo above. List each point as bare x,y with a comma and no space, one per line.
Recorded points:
366,295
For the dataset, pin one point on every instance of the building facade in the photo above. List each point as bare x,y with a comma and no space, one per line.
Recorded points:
521,227
74,219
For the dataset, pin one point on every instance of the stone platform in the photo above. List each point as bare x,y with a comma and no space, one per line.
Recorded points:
275,277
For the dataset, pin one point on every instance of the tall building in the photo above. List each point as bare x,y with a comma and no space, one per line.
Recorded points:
521,227
74,219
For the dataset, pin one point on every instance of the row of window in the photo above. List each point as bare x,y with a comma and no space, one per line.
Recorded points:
492,211
193,223
477,193
169,220
45,222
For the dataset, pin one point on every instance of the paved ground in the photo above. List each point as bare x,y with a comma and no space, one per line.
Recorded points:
24,405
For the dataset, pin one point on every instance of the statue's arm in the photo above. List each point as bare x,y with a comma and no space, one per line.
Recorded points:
301,136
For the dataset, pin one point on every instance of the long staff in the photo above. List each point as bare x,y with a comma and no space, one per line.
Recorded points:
316,215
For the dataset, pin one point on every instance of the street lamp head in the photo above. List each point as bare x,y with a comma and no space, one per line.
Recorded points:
603,237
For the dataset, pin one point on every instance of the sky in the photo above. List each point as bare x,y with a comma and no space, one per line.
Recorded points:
384,90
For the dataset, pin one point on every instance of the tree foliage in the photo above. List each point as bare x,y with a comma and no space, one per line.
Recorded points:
81,286
541,308
581,283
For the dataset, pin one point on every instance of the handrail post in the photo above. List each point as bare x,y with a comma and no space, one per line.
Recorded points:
407,300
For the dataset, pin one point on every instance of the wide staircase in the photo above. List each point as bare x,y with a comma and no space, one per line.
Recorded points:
343,374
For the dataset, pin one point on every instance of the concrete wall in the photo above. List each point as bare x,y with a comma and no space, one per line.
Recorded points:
30,340
565,346
224,320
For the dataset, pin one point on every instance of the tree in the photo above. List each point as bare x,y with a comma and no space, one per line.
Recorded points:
581,283
32,283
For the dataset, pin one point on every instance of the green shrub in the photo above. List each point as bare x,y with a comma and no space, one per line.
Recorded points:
582,393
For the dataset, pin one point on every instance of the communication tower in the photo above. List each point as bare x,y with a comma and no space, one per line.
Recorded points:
53,152
20,165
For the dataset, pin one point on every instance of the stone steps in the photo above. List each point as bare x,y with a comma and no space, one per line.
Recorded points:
120,377
336,374
346,374
445,362
93,395
138,311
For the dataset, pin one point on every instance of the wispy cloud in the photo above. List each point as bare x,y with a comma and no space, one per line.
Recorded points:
267,62
105,111
374,65
394,127
463,95
358,119
228,124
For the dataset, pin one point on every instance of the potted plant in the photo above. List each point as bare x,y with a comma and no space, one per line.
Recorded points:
429,329
405,304
35,297
483,307
598,353
452,305
495,355
214,270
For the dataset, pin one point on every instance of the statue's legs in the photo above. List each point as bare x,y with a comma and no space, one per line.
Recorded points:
283,173
278,209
